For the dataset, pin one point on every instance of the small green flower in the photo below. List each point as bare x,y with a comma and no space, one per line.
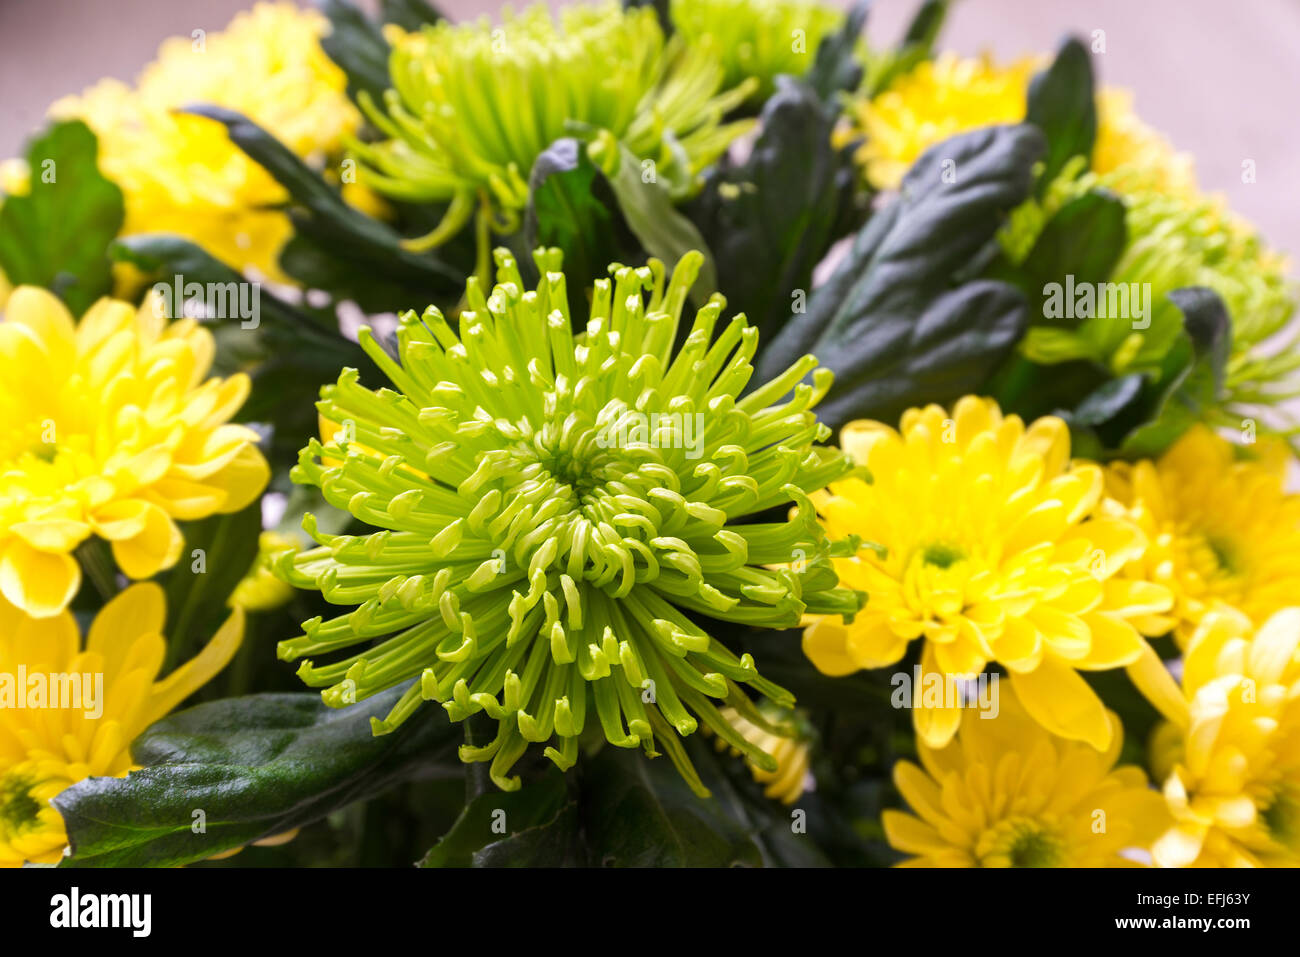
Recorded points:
473,106
757,39
558,515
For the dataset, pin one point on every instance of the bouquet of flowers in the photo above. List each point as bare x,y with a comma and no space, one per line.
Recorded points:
660,434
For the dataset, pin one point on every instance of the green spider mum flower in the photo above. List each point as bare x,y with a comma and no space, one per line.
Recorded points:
556,512
757,38
1176,241
473,106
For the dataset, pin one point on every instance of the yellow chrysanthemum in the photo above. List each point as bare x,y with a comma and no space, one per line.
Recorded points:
949,95
1234,790
1006,793
46,744
997,549
938,99
260,590
111,430
181,174
1221,527
786,783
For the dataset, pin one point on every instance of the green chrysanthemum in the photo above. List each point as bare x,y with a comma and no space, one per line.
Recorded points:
1176,241
757,38
555,512
473,106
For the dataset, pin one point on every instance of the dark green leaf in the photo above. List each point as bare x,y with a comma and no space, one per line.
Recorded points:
536,825
571,206
770,220
255,766
1107,401
639,812
889,322
836,67
1031,390
1180,399
409,14
1084,239
345,241
219,550
926,24
57,235
916,46
1062,105
356,44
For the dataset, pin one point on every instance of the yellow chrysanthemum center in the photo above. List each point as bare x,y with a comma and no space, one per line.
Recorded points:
181,174
996,548
18,809
111,430
50,742
1281,816
1221,527
1022,842
30,829
1006,793
1233,784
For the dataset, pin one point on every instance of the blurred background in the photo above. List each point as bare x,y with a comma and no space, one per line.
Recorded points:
1217,78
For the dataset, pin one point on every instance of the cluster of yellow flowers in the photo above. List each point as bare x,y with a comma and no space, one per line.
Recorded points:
990,545
116,432
180,173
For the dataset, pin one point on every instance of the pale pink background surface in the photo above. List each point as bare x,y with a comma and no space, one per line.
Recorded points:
1221,79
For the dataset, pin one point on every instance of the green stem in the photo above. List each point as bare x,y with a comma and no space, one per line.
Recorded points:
97,562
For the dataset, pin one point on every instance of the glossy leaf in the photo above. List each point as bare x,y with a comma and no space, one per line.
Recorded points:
894,321
255,766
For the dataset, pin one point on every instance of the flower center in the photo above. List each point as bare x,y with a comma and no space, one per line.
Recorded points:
1035,849
1282,818
1224,553
18,809
1022,842
942,555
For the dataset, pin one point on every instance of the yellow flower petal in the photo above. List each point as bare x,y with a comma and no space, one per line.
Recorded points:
1063,703
192,675
40,583
157,546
